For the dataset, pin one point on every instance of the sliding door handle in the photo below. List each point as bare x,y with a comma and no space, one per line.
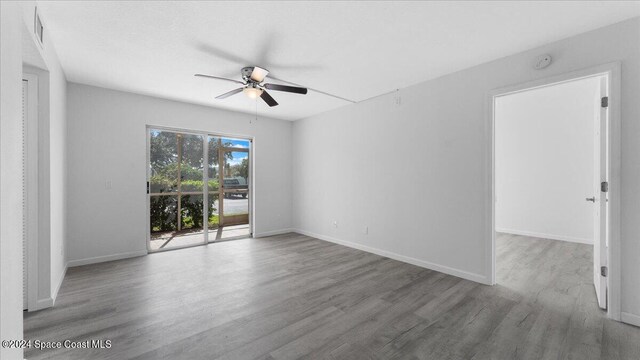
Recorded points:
592,199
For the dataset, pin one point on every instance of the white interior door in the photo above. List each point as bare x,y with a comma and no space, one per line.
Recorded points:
600,198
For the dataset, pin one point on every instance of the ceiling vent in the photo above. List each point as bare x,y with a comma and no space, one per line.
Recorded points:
38,29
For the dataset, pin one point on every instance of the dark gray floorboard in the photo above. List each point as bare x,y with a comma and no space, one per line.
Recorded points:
292,296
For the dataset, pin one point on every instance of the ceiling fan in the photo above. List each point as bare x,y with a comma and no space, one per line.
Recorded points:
254,86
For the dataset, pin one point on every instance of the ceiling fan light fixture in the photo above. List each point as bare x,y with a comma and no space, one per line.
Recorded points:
252,92
258,74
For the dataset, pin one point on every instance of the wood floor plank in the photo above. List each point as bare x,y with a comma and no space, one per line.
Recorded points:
291,296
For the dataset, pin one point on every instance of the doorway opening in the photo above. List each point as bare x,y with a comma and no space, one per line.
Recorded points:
555,187
198,188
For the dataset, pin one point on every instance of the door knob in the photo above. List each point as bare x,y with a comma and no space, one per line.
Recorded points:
592,199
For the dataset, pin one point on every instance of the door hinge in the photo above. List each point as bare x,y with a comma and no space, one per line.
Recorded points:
604,186
148,187
603,271
604,102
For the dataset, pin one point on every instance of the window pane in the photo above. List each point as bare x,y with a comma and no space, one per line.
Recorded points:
163,162
235,206
164,219
192,213
192,156
214,163
236,170
214,214
236,143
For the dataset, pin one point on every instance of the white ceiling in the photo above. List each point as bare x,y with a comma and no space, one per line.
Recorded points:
355,50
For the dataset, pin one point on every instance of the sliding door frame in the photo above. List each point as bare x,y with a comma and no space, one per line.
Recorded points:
205,135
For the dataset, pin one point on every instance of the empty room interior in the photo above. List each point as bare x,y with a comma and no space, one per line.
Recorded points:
320,180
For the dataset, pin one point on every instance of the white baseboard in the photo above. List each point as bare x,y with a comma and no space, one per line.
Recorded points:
99,259
54,294
630,319
546,236
422,263
273,232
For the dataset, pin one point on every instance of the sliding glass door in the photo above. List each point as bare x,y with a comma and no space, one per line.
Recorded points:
229,160
191,179
176,189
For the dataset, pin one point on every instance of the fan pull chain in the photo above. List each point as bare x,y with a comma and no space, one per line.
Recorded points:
250,121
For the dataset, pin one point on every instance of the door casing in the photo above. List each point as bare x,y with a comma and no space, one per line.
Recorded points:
612,73
31,193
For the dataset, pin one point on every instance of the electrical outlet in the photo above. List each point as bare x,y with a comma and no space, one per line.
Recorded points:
107,184
335,223
365,230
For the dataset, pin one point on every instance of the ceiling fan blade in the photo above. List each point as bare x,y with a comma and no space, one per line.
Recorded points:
219,78
291,89
312,89
227,94
222,54
258,74
268,99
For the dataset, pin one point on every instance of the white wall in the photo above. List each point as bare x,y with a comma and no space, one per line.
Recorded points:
418,174
107,141
544,161
10,179
52,156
